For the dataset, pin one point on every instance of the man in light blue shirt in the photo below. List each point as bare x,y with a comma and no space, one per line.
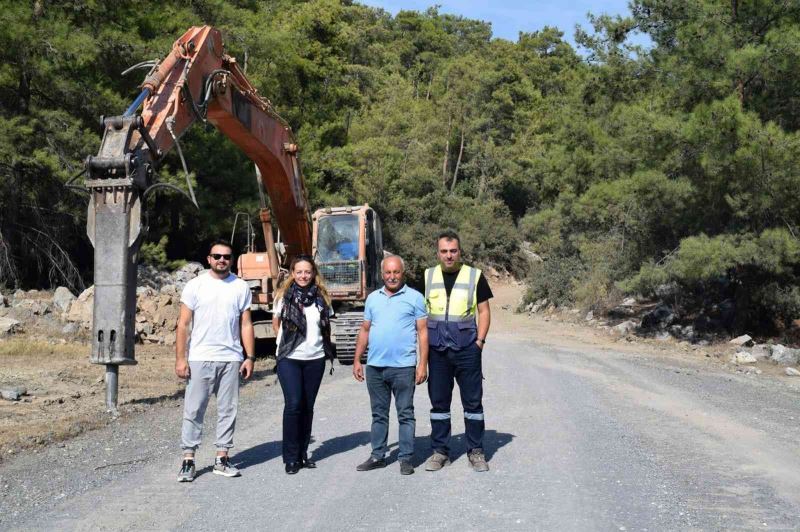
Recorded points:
395,323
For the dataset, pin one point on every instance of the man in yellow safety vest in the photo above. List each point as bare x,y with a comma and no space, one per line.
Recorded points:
457,299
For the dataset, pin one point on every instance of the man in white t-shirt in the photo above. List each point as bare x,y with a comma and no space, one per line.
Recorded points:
215,307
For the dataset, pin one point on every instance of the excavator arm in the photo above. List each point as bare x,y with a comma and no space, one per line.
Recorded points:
196,81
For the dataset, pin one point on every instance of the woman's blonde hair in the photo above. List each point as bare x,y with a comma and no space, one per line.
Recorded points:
289,281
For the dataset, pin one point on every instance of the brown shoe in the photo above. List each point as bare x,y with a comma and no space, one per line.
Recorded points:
477,460
436,462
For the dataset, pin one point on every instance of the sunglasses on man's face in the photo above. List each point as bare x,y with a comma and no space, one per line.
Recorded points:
218,256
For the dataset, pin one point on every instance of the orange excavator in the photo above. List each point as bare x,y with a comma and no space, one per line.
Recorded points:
197,81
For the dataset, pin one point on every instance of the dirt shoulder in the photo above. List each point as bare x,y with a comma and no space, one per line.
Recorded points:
66,394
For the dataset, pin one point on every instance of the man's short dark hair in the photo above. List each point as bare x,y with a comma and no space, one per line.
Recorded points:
220,242
449,234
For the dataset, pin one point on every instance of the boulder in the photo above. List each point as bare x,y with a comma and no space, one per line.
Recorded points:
742,357
589,316
792,372
628,302
666,290
660,317
539,305
80,311
744,339
783,355
626,327
9,326
63,298
10,395
28,308
531,255
70,329
760,351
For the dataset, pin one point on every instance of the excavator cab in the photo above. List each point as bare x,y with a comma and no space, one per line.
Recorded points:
348,248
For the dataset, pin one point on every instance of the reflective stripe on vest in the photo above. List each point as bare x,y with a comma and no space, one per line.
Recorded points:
462,302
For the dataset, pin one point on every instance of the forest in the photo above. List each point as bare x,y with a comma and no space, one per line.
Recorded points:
668,170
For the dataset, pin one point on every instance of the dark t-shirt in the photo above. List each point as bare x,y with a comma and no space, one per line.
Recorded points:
484,291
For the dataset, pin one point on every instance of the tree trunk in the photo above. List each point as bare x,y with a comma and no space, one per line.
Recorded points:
458,162
430,82
446,160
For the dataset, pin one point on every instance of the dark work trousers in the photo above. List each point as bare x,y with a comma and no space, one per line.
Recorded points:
382,382
463,366
300,381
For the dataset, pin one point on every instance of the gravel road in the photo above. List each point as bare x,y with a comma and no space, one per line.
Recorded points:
584,439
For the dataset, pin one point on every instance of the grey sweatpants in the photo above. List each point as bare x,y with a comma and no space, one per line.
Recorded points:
221,379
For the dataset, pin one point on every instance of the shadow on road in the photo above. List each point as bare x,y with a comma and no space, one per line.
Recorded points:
340,444
263,452
492,441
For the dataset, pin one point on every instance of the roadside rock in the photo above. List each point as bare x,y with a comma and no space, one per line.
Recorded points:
70,329
27,308
760,351
589,316
660,317
531,255
749,370
80,310
783,355
745,339
625,327
9,326
10,395
742,357
791,372
667,290
63,298
539,305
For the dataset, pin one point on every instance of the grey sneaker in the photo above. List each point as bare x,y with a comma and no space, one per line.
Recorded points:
406,468
187,472
223,466
477,460
436,462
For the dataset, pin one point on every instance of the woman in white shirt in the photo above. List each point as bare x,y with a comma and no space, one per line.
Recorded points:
302,318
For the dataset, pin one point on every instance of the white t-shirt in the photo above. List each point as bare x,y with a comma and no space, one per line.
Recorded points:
217,306
311,348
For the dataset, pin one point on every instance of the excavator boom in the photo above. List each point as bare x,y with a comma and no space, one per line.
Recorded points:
196,81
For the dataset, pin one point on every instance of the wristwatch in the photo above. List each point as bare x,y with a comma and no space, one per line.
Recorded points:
481,340
250,357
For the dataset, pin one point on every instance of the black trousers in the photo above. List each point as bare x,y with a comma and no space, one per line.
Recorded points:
300,381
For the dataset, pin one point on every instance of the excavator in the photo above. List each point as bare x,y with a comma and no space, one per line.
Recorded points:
347,246
198,81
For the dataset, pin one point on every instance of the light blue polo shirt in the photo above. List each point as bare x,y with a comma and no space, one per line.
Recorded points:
393,327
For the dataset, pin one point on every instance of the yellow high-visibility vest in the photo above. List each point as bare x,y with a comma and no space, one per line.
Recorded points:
463,301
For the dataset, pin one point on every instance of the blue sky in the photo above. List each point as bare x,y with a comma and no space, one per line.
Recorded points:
509,17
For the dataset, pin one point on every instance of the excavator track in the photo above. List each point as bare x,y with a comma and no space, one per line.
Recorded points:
345,326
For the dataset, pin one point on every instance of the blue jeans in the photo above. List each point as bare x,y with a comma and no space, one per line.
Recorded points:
463,366
382,382
300,381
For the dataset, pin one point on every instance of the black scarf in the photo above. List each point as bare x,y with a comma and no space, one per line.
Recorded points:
293,319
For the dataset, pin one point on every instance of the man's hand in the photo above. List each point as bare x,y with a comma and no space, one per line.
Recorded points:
246,369
422,374
358,370
182,368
